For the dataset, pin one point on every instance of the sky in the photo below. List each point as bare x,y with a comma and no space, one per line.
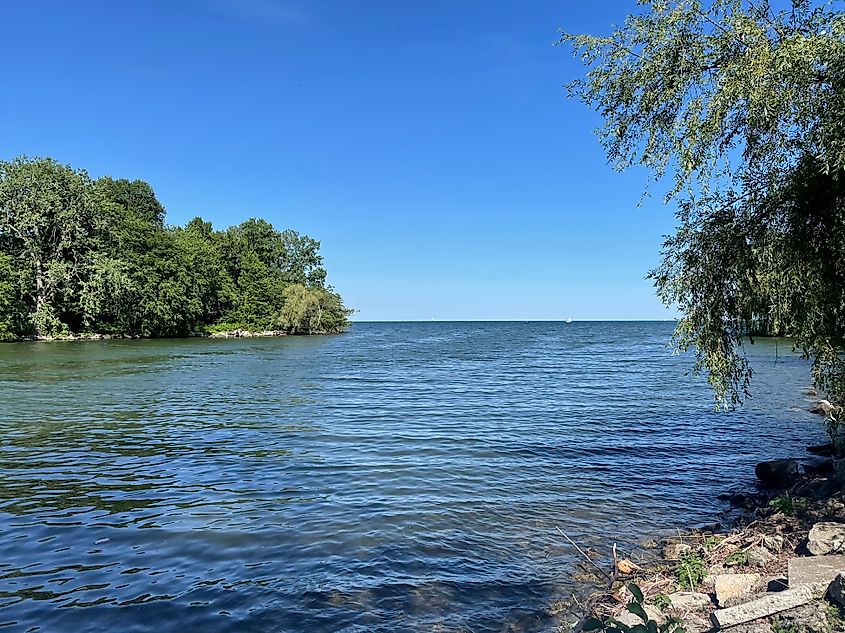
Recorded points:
428,144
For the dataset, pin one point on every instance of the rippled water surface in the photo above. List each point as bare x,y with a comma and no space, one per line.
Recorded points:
401,477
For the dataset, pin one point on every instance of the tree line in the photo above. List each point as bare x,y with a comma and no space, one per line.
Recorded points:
86,256
740,105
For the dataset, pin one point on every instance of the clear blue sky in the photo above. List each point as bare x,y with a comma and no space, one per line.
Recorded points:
428,144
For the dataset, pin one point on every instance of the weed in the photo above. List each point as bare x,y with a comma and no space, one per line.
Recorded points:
739,559
690,571
635,606
662,601
787,504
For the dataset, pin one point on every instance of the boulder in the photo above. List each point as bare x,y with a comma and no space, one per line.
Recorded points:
732,585
811,569
690,600
823,450
674,551
826,538
778,472
823,407
819,467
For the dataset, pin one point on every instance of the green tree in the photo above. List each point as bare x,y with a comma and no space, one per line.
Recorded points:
48,223
743,109
135,196
12,310
312,311
97,257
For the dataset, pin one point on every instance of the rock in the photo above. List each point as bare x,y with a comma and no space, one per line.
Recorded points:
824,450
826,538
773,543
759,556
822,406
736,499
836,591
690,600
819,467
761,626
674,551
653,613
812,392
811,569
767,605
809,618
778,472
731,585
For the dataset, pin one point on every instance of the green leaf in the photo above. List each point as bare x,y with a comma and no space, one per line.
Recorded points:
637,609
638,594
592,624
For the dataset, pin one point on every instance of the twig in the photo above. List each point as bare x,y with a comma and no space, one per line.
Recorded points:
584,554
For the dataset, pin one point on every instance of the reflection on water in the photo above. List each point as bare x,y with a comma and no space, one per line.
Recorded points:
402,477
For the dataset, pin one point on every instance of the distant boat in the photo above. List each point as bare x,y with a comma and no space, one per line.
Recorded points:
569,320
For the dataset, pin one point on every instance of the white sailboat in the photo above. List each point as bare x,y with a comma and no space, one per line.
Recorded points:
569,320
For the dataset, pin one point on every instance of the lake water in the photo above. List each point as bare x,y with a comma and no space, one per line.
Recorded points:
401,477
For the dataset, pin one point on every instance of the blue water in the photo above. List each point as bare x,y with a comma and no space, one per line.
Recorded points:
401,477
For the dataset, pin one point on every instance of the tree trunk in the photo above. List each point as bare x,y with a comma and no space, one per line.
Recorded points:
40,295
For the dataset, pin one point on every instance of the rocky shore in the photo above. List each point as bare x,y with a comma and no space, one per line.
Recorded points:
109,337
779,567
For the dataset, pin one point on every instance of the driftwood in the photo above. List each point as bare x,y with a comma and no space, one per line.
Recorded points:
584,554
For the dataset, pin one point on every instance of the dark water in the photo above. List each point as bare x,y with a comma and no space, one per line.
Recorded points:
402,477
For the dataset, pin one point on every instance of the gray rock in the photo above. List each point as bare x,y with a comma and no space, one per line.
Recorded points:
767,605
809,618
778,472
813,569
690,600
653,613
773,543
826,538
729,586
759,556
674,551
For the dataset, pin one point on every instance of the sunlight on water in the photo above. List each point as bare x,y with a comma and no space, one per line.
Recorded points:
402,477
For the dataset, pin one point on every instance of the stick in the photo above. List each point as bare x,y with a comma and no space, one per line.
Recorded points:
584,554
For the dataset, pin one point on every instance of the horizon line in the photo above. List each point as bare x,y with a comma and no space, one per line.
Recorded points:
512,320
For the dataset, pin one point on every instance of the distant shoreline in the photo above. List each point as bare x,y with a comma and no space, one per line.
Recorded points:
138,337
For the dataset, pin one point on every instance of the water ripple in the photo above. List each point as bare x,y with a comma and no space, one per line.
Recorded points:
402,477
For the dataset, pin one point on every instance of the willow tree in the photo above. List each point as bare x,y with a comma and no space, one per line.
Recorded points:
741,109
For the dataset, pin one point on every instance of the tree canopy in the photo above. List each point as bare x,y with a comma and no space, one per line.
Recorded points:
95,256
740,106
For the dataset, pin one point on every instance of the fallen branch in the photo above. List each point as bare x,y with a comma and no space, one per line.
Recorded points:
584,554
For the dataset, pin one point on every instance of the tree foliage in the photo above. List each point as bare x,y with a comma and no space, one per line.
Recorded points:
742,107
85,256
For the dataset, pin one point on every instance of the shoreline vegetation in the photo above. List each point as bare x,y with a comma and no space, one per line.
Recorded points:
83,258
778,566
